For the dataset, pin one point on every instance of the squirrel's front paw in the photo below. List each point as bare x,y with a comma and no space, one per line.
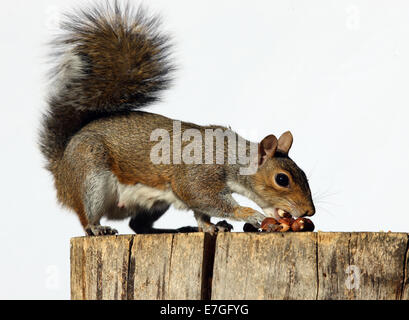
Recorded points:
97,230
249,215
256,219
211,228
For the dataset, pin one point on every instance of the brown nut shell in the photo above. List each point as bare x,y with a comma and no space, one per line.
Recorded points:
270,225
286,215
268,221
288,221
302,225
284,227
285,224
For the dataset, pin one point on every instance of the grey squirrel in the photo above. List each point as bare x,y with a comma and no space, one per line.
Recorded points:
112,61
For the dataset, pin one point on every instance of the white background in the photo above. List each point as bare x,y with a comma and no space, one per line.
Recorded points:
333,72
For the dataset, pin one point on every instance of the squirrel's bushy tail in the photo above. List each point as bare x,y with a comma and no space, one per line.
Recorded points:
110,60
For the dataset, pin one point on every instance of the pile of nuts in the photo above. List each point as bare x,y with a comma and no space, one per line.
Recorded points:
285,224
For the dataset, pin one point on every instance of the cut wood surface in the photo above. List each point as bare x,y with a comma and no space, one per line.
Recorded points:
241,266
166,266
265,266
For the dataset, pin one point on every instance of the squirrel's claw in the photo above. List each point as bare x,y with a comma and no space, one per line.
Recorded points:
211,228
96,230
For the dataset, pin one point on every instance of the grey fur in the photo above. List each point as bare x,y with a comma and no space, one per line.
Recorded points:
88,85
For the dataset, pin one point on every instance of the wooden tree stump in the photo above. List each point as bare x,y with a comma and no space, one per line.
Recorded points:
241,266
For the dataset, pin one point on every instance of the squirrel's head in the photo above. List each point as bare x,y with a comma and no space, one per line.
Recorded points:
279,181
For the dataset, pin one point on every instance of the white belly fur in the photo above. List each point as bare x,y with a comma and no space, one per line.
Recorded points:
105,196
122,201
144,196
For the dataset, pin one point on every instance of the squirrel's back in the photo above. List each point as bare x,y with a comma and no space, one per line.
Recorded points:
110,60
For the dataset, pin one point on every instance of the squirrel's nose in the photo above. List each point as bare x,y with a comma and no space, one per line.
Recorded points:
311,210
309,213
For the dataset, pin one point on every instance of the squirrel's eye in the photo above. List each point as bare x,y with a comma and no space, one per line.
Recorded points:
282,180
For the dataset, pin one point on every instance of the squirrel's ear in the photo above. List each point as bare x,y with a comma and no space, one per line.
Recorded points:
266,149
285,142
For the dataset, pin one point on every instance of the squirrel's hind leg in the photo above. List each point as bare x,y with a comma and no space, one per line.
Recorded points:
85,182
98,197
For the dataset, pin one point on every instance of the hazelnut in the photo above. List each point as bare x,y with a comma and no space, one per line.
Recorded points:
285,224
283,214
284,227
270,225
302,225
288,221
